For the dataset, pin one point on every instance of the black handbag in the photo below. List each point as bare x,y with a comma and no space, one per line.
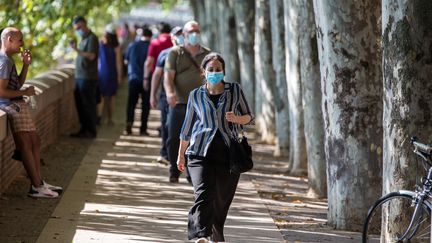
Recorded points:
240,156
240,152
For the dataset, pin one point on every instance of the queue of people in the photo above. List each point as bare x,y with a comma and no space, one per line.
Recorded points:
197,120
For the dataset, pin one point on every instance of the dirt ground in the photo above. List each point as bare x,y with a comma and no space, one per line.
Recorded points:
22,218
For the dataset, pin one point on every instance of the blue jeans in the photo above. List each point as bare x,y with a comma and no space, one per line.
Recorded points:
85,101
135,91
163,107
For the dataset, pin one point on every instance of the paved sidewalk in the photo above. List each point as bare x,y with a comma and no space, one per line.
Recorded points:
121,194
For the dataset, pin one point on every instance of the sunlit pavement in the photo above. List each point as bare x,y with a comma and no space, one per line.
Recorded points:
121,194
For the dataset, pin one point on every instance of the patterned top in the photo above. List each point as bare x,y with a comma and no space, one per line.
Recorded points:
8,72
203,119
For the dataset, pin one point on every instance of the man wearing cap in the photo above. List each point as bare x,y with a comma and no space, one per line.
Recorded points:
86,77
176,39
182,74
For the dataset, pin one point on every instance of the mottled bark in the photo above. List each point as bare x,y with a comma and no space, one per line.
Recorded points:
198,10
311,94
407,41
350,64
264,74
244,12
228,40
210,28
298,156
281,92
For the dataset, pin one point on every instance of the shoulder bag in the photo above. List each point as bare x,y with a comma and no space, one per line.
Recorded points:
240,152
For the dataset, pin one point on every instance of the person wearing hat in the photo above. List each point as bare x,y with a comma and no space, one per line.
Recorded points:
162,104
86,77
110,73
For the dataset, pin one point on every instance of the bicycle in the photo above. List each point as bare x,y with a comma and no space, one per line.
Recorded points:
408,212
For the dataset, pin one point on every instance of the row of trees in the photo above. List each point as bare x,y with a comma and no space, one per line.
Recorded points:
47,25
340,86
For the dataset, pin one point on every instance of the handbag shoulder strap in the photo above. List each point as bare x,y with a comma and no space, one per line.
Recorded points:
231,107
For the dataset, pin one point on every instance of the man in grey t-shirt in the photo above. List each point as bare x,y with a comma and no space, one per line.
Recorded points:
86,78
182,74
23,129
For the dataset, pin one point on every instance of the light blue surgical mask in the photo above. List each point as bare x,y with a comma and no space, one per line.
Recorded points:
214,77
79,33
194,38
180,40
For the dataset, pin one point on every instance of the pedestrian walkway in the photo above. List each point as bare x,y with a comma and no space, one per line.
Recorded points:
121,194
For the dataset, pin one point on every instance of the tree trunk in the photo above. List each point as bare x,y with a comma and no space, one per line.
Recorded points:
311,87
407,38
280,99
245,22
265,116
198,9
348,43
297,158
211,30
228,40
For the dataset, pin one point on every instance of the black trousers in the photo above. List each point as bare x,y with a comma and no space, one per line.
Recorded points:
214,189
85,101
176,117
135,90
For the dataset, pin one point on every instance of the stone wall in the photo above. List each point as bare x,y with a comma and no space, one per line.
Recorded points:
55,115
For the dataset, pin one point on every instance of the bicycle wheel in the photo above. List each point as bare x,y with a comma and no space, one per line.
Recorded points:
389,218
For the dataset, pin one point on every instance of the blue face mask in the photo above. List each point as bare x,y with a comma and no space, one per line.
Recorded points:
214,77
79,33
194,38
180,40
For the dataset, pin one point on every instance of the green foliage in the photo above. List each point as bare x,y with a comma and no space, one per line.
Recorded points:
47,24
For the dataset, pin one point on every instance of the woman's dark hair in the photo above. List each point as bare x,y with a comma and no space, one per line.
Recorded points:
211,57
112,40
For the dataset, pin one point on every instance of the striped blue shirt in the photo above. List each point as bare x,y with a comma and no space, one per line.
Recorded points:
203,119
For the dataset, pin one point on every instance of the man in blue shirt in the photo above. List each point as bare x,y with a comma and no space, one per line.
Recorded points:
135,57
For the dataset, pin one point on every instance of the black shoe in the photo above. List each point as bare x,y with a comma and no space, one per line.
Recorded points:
128,130
144,133
83,135
174,179
17,155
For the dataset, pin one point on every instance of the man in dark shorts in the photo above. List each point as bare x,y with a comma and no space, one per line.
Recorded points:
17,110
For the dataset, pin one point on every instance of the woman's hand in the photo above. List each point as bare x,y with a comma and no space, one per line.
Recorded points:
181,163
231,117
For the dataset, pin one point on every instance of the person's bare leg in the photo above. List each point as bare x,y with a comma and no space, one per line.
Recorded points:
36,151
24,142
110,109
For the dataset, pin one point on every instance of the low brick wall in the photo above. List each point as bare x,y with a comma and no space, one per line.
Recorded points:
55,115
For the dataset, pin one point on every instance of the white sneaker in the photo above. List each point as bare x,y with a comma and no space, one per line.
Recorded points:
204,240
42,192
57,189
162,160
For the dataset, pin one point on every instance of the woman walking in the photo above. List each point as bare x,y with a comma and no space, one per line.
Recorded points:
214,112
